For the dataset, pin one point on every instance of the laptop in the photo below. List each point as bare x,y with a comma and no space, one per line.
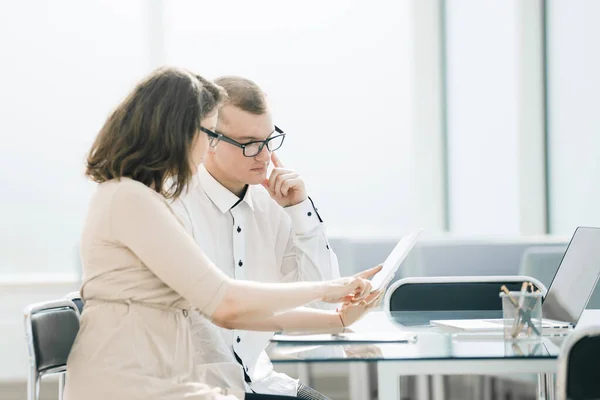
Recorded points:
568,294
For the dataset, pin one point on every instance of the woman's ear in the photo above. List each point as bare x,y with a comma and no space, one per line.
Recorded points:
212,145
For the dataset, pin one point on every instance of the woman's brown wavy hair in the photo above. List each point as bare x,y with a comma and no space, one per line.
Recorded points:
149,136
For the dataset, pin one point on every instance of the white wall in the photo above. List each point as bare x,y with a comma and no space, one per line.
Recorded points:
63,66
574,117
338,77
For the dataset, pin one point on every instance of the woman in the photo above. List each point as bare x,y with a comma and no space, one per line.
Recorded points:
143,272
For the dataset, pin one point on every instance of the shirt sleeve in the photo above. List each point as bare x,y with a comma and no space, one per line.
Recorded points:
307,255
143,222
304,217
180,209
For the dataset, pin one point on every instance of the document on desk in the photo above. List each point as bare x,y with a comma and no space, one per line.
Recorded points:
347,338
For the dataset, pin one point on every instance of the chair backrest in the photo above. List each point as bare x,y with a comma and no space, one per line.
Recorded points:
578,376
51,328
542,262
75,297
416,301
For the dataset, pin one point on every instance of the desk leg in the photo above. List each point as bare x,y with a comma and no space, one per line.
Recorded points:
422,386
550,386
546,386
388,382
360,387
304,373
61,385
542,392
486,388
438,388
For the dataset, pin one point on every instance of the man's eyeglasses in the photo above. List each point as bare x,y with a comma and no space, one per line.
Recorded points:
250,149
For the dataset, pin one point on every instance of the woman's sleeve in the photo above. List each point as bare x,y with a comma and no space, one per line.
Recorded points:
142,221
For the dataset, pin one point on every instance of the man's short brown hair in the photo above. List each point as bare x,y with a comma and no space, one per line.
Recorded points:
243,94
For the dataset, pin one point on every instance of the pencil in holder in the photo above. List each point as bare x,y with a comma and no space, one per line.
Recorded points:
522,313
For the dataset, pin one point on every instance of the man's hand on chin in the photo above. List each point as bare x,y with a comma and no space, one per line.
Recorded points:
285,186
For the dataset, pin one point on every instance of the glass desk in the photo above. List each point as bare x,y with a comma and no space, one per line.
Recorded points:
434,352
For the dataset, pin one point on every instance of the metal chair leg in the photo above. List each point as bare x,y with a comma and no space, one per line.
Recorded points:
61,385
33,387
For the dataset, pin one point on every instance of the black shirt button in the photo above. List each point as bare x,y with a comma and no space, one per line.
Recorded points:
239,229
309,214
240,263
238,339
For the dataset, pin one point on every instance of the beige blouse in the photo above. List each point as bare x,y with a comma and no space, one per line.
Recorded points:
141,275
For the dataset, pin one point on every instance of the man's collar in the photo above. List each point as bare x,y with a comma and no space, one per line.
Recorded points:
219,194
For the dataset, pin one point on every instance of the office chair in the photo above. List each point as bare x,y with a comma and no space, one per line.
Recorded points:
50,330
578,376
75,297
416,301
542,262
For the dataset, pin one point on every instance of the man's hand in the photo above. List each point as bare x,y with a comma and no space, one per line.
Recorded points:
285,186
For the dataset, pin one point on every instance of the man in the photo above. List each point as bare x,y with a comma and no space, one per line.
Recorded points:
254,226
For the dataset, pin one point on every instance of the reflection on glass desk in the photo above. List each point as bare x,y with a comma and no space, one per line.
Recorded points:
431,344
346,337
418,318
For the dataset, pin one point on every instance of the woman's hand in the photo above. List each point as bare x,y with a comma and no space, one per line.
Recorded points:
369,273
353,289
344,289
352,312
366,274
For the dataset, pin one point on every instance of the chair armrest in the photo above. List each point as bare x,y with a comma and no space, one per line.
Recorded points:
416,301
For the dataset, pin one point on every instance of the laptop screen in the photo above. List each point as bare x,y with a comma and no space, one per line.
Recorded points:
576,277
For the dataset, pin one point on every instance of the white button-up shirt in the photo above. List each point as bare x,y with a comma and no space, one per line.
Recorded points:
252,238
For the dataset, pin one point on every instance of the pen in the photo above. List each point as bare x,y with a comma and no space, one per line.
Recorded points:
515,304
526,315
524,288
513,301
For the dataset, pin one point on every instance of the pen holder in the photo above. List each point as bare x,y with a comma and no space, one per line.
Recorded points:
522,315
